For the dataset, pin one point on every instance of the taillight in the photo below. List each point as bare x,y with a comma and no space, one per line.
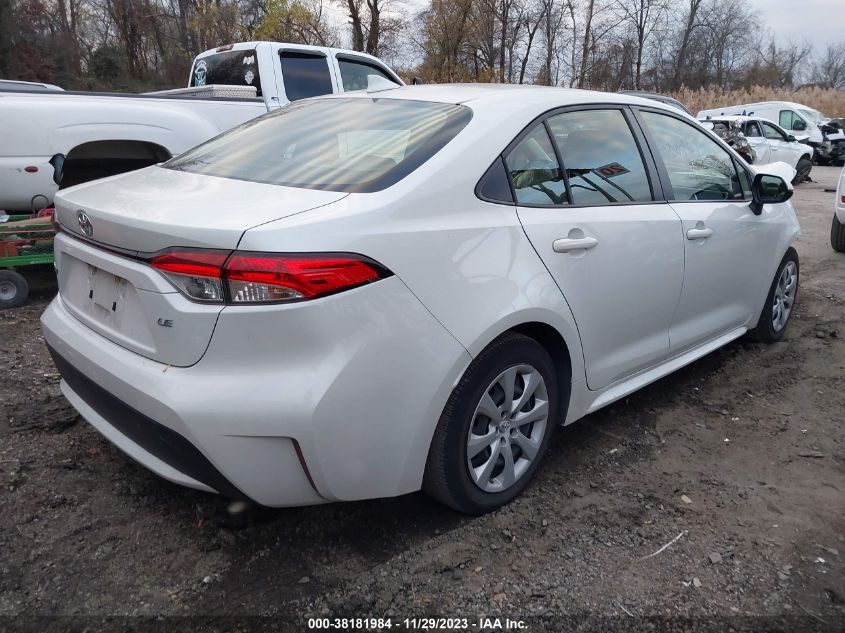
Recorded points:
196,273
266,277
254,278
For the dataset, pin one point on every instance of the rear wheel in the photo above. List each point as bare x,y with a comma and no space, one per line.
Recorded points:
13,289
779,302
837,235
805,165
495,428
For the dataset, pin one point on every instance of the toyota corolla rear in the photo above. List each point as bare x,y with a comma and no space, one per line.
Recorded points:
278,376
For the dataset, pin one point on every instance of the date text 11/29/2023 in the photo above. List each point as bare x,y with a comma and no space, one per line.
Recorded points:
483,623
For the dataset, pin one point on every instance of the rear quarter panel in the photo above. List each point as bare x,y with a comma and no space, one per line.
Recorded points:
468,261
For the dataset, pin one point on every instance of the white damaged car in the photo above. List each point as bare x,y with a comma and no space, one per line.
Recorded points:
364,295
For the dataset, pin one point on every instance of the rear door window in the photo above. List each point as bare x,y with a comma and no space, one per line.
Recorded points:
534,170
601,157
698,167
354,72
305,75
230,68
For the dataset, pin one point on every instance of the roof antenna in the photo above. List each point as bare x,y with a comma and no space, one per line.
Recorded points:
377,83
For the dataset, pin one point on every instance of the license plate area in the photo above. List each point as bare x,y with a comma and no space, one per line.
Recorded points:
105,291
132,305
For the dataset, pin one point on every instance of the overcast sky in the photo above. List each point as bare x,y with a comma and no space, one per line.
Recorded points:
821,22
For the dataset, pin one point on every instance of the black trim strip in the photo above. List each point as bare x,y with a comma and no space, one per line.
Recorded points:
166,444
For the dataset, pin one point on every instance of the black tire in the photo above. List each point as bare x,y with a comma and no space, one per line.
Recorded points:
803,169
447,476
13,289
765,331
837,235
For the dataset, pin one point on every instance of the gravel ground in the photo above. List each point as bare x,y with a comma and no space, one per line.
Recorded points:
736,460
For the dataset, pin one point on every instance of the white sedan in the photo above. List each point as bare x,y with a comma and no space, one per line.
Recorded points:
362,296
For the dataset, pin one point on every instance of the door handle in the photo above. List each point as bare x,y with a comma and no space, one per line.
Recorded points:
699,234
566,244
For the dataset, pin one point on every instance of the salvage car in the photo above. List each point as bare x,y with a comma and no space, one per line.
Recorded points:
53,139
804,122
837,229
730,131
362,295
769,142
834,130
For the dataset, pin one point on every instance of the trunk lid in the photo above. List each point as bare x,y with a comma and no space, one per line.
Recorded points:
103,283
155,208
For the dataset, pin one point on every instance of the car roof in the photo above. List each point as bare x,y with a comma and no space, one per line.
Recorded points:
479,95
788,104
238,46
646,94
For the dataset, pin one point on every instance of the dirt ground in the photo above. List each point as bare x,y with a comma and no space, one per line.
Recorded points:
737,460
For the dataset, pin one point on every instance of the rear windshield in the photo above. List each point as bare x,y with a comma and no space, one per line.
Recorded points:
352,145
232,68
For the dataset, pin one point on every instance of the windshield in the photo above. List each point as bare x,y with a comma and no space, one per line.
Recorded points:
352,145
232,68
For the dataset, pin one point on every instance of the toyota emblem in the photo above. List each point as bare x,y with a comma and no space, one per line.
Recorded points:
85,223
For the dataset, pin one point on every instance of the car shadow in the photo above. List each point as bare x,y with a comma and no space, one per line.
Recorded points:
280,556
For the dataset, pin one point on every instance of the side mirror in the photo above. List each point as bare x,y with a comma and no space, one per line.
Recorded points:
768,189
799,125
417,81
791,138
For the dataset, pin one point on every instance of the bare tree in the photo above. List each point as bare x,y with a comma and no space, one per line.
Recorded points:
532,18
641,16
828,69
680,58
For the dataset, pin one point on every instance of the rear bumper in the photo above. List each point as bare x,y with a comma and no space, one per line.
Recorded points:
354,386
145,440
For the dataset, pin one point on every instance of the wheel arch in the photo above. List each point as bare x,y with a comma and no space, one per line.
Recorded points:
118,148
106,157
558,336
554,343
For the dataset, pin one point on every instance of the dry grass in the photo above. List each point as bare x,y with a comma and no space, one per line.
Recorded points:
827,101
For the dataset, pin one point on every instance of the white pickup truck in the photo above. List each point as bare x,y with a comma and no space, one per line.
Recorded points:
82,136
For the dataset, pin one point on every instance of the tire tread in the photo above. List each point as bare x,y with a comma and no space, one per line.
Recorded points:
837,235
435,477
